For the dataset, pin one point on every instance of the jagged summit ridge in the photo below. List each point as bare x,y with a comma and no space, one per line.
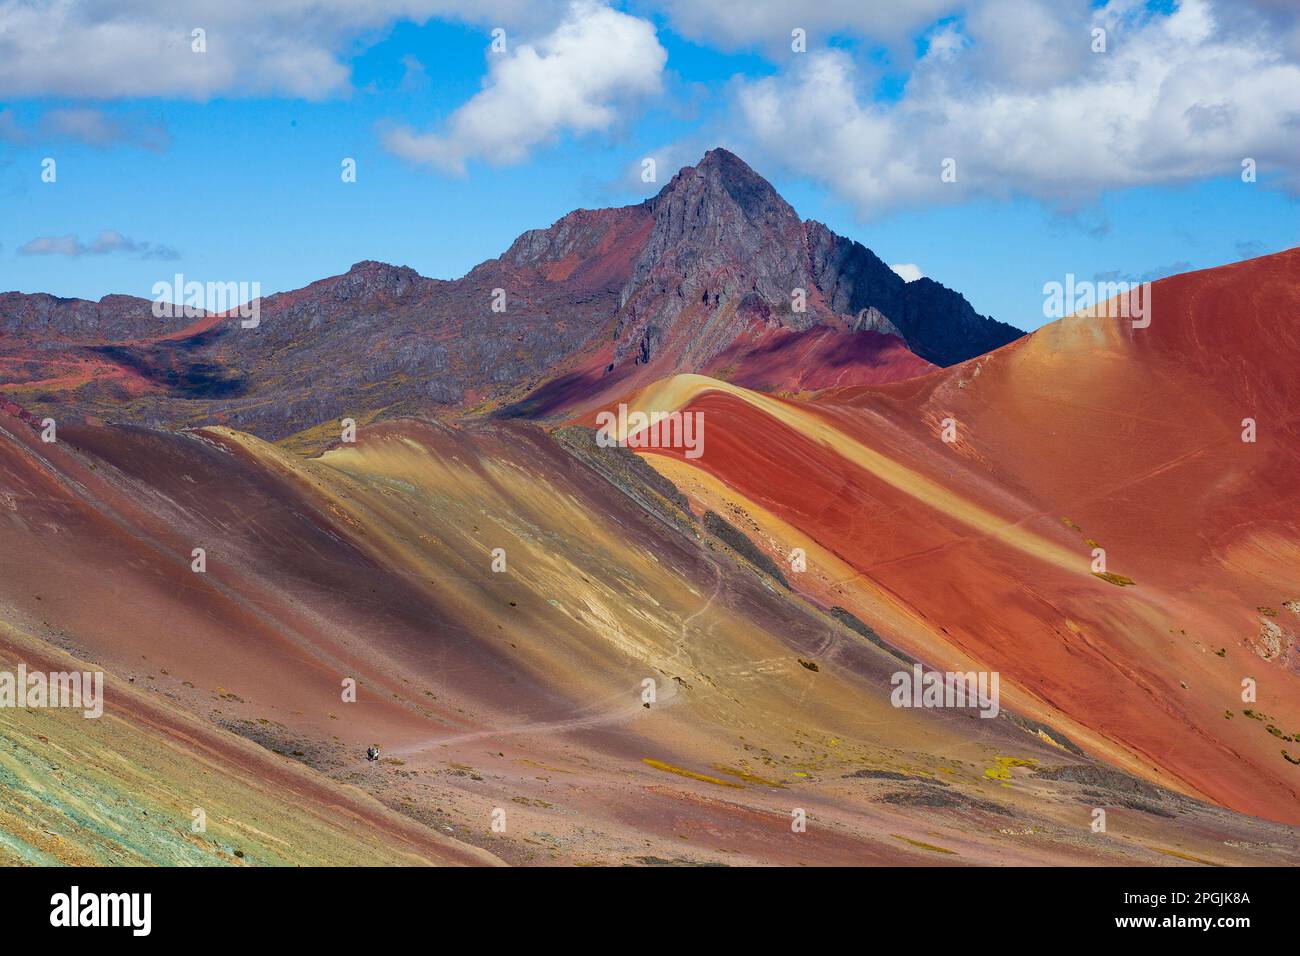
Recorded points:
713,273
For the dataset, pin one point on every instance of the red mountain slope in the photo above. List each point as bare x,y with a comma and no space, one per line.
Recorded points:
1088,434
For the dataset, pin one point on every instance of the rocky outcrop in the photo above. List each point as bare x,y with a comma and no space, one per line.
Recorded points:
937,323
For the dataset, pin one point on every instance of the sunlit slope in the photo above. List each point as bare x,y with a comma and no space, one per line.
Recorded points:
521,688
1090,434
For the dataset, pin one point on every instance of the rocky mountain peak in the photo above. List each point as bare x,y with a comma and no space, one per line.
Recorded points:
722,179
724,243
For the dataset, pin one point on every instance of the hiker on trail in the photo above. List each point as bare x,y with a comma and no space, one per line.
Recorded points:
372,753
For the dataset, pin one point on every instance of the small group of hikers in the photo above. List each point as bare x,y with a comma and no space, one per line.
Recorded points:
372,753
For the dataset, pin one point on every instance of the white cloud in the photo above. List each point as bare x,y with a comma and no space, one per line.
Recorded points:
1174,98
99,49
108,241
908,271
573,79
767,23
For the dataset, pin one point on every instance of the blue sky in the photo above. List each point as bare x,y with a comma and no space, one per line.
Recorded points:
237,176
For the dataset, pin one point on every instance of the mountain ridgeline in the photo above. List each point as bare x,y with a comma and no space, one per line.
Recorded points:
715,274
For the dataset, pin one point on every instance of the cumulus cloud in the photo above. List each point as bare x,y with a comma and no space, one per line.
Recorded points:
573,79
1033,111
767,23
107,242
98,50
908,271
